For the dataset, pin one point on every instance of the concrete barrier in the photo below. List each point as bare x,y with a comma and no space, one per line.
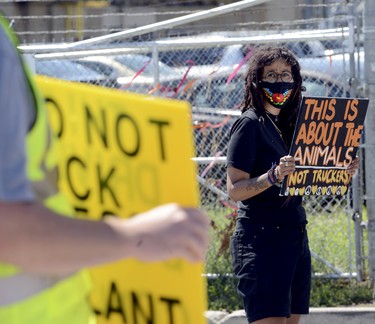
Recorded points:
321,315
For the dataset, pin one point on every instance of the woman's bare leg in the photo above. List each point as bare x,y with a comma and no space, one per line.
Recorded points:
294,319
271,320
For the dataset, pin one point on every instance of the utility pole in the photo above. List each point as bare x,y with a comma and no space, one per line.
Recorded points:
369,48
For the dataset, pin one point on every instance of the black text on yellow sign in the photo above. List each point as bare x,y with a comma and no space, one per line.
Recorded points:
121,136
122,154
149,293
132,307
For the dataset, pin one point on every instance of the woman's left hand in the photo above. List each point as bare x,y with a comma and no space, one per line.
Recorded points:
353,166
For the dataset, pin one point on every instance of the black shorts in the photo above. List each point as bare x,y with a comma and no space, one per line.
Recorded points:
273,266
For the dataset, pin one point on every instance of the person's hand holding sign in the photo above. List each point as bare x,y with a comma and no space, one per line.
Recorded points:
162,233
353,166
286,166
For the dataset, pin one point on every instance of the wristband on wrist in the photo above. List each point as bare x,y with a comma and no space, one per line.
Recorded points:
272,177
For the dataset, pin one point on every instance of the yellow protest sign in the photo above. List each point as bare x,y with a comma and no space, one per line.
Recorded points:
121,154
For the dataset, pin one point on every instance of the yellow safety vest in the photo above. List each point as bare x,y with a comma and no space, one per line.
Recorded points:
27,298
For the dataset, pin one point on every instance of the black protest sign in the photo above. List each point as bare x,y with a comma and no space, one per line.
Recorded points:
325,142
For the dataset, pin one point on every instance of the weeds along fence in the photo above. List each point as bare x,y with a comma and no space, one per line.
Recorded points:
207,70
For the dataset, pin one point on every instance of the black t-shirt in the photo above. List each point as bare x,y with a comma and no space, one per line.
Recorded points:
254,145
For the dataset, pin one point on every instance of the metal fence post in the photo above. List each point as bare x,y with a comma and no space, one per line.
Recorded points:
357,206
155,64
369,47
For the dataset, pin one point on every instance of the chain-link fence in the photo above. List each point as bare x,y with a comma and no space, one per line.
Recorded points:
207,70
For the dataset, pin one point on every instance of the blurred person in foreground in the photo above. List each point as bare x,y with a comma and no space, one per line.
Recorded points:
41,251
269,247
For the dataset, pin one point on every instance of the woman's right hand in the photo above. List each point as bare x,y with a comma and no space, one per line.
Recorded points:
285,167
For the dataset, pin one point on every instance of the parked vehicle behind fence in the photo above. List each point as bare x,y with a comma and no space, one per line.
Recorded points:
72,70
224,90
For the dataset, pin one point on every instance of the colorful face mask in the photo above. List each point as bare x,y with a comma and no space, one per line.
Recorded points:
278,93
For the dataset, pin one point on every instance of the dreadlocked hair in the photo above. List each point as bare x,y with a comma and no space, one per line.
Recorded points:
253,98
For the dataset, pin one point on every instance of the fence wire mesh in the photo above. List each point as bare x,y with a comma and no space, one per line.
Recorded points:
211,79
207,70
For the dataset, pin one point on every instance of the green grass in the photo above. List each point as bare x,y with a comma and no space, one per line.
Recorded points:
332,238
339,292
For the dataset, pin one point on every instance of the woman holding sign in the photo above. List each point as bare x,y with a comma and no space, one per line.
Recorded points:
269,247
